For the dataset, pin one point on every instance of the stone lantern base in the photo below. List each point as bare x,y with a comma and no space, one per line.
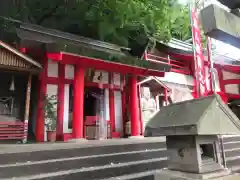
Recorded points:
167,174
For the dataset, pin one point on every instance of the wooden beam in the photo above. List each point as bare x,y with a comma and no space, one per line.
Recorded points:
18,69
27,106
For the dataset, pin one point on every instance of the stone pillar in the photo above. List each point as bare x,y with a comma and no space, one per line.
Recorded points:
78,103
134,106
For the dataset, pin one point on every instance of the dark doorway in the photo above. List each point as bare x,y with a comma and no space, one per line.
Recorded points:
92,101
33,107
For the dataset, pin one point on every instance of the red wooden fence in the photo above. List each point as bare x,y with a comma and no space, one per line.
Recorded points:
176,65
12,130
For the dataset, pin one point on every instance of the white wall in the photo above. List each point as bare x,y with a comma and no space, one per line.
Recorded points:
106,103
69,71
231,88
173,77
118,111
52,69
66,110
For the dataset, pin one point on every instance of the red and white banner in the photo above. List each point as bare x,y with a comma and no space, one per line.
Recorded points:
198,53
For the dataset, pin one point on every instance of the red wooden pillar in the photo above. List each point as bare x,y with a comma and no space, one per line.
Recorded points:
166,96
124,111
111,104
220,79
40,124
123,98
61,70
134,106
140,110
78,103
222,92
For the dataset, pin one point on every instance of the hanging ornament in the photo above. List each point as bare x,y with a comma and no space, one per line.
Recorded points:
12,86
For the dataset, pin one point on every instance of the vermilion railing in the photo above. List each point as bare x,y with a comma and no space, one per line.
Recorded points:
13,130
176,66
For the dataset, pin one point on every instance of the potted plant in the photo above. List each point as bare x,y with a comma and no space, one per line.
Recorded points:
51,117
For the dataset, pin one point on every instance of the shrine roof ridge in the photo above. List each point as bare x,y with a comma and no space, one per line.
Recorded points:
76,39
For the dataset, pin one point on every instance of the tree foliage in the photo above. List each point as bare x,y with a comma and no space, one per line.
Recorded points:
124,22
180,22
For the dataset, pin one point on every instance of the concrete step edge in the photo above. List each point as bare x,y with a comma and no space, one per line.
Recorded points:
134,175
89,169
233,158
22,148
79,158
230,150
231,142
235,168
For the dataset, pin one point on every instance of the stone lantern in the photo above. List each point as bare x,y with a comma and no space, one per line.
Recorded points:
191,129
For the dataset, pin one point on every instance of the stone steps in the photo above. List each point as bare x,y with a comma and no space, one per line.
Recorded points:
110,171
232,152
32,156
88,163
108,160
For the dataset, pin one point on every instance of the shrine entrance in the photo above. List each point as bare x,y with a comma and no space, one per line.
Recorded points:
94,114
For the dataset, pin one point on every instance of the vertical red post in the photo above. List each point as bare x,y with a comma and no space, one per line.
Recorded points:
134,106
140,110
222,92
166,96
124,110
78,103
60,112
111,104
220,79
40,124
123,99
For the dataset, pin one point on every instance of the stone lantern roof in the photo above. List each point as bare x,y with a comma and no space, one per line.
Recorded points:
204,116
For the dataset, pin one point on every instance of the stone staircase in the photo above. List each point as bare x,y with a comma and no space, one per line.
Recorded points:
127,159
232,152
112,159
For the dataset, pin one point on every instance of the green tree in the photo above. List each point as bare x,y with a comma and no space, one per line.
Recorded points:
180,22
124,22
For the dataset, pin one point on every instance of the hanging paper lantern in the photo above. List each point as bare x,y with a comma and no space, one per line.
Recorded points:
12,85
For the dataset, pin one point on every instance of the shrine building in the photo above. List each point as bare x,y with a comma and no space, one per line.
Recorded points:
96,84
102,90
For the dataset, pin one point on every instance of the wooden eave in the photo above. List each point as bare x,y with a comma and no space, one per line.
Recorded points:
48,36
12,59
